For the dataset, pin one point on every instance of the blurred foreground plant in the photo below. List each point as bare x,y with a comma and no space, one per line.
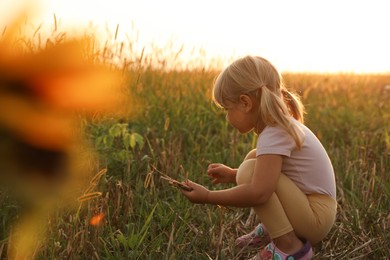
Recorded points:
44,93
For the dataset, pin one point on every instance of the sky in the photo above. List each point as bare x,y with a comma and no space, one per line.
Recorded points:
295,35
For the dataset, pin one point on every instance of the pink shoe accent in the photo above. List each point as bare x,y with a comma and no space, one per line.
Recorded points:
271,252
256,238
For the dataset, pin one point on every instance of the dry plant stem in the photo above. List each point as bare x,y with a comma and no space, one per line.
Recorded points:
176,183
172,181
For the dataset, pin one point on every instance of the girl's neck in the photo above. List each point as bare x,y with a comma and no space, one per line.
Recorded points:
259,127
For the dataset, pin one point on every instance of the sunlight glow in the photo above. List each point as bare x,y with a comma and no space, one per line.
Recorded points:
302,35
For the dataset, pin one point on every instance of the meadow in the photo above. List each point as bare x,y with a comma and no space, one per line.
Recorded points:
177,130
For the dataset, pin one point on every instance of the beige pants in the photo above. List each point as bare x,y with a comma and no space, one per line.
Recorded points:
310,216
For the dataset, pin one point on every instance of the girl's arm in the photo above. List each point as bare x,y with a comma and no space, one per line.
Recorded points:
258,191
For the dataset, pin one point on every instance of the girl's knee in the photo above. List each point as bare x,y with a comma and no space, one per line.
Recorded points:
250,155
245,171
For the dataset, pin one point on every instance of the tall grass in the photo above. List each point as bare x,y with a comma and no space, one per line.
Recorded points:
178,131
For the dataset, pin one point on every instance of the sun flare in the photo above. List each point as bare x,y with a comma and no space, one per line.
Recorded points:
320,36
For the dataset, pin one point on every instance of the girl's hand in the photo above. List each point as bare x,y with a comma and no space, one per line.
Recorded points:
220,173
199,194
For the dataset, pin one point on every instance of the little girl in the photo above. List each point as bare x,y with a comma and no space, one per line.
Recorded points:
288,179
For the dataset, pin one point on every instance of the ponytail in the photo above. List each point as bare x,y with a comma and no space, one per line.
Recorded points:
275,110
294,104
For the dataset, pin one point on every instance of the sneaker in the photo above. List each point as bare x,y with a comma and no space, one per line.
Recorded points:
271,252
256,238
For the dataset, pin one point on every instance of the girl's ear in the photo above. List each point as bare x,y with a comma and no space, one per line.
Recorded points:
246,103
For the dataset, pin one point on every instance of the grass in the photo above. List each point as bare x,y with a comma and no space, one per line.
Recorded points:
178,131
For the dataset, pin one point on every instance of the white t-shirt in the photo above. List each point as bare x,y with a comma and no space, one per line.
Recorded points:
309,168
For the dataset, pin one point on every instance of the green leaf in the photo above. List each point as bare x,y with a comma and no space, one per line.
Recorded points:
126,140
132,241
146,226
133,141
137,139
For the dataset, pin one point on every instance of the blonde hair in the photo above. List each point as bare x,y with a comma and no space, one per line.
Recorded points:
258,78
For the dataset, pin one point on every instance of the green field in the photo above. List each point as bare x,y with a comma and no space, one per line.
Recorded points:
177,130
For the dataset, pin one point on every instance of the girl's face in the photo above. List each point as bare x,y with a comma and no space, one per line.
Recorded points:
242,115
